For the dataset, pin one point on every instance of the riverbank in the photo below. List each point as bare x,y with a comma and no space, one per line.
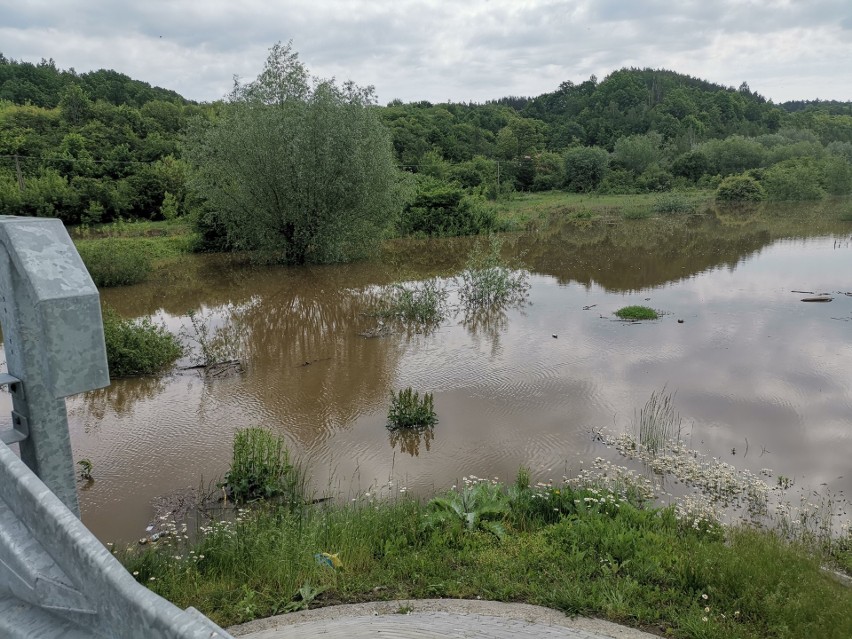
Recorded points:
581,550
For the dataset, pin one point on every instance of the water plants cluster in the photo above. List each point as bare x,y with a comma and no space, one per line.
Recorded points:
214,340
420,304
409,410
486,286
261,468
635,313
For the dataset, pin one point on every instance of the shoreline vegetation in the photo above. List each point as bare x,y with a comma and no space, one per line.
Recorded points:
598,544
126,252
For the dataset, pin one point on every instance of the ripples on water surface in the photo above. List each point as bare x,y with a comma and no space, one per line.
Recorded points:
749,362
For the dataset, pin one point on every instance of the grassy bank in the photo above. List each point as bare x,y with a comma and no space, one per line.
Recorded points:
522,208
123,253
576,548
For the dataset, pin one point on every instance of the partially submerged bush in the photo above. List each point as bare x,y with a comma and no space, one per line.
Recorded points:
115,261
674,203
408,410
488,282
637,313
261,469
740,188
419,303
137,347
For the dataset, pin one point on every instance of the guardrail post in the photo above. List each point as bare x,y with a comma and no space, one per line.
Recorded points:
57,581
53,338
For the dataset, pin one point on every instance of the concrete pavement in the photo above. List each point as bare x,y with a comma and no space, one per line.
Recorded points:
433,619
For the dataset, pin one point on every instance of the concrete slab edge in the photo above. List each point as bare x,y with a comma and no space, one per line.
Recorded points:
461,607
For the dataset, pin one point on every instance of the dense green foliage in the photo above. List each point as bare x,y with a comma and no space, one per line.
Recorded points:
299,169
444,209
739,188
137,347
91,147
98,146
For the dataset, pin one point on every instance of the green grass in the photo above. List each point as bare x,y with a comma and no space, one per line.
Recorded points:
658,422
637,313
523,208
582,551
124,253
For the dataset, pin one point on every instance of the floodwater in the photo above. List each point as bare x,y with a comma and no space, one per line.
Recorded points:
762,380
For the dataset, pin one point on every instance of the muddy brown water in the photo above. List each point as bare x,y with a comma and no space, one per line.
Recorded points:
761,379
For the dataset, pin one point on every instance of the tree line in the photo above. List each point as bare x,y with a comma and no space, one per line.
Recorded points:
99,146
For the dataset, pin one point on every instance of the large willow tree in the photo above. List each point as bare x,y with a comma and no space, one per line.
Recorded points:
296,167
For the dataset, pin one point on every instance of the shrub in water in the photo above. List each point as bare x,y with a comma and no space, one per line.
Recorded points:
408,410
674,203
421,303
739,188
115,261
261,469
637,313
137,347
488,282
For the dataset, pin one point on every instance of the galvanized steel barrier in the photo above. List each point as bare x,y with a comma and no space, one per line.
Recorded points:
56,579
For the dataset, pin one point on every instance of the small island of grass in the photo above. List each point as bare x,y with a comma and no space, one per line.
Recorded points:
637,313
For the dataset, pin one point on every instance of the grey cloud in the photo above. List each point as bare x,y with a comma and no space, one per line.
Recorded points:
442,49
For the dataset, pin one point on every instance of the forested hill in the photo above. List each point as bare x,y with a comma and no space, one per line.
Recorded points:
42,85
833,107
631,101
94,147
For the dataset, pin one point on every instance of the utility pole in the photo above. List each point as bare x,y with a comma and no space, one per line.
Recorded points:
498,180
20,175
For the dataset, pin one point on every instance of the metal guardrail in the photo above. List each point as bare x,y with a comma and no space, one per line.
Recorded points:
56,579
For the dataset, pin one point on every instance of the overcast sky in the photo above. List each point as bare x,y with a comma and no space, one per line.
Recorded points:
439,50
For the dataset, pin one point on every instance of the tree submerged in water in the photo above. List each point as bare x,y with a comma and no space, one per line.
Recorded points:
298,168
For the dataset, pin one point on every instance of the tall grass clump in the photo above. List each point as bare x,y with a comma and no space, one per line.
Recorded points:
658,422
409,410
261,469
137,347
634,313
115,261
674,202
487,281
420,303
215,344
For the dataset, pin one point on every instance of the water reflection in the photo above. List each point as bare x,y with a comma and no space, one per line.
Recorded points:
121,396
409,440
749,362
